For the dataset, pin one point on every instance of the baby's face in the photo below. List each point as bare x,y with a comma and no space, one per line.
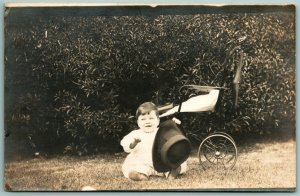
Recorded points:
148,122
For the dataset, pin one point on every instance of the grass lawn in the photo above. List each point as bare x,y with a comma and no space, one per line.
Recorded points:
263,165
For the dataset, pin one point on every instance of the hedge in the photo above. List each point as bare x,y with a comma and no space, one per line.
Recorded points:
72,82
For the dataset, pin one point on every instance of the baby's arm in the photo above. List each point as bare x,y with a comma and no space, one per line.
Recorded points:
130,141
134,143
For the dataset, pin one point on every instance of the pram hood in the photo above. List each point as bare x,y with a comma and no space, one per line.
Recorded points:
199,103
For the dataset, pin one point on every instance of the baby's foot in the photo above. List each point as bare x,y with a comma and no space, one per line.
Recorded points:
136,176
173,174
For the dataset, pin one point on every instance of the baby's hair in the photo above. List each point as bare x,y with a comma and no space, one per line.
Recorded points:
146,108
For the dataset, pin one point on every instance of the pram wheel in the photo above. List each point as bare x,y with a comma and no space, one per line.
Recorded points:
218,150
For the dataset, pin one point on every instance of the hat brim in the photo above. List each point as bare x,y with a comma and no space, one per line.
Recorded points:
171,148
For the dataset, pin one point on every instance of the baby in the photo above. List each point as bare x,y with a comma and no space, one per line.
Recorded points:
138,165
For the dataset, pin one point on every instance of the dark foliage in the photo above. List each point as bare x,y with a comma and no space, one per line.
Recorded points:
73,82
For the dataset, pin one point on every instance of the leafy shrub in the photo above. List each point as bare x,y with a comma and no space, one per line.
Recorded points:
82,77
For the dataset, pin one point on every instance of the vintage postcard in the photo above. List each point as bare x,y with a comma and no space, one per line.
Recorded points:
149,97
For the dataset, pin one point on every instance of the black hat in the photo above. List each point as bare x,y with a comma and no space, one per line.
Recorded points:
171,148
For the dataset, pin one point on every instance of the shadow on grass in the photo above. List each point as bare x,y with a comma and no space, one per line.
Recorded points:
248,141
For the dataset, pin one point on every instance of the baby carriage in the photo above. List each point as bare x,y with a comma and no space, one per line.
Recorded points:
217,149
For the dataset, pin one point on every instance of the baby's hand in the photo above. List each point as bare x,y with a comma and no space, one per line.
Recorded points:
134,143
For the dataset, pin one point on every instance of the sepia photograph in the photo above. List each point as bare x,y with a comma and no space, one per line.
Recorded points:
149,97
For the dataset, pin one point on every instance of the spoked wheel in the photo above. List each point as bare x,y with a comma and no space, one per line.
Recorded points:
218,150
